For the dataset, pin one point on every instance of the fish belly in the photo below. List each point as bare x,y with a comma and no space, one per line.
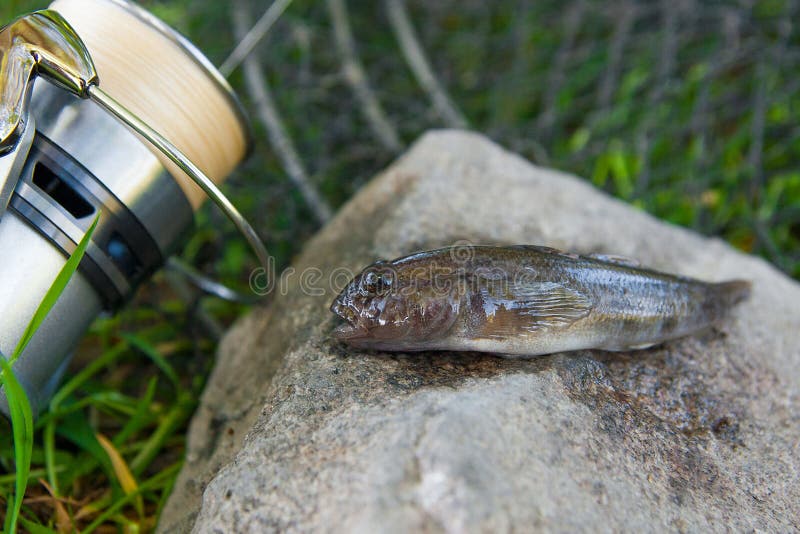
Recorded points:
532,344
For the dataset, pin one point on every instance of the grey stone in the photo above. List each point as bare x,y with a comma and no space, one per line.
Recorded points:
298,433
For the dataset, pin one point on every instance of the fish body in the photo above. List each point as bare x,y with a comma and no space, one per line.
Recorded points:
523,301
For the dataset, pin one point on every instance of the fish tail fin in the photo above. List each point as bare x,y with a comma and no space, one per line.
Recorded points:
733,292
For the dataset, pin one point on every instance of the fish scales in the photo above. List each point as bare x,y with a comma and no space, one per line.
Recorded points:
524,301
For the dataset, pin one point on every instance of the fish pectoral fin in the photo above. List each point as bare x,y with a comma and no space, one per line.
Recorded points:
619,260
532,306
549,304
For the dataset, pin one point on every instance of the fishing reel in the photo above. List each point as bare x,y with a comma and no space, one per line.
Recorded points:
107,115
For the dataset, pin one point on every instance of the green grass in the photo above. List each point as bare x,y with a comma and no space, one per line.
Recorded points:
711,143
22,421
18,405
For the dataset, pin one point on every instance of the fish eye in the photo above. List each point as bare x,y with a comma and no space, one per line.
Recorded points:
370,282
374,283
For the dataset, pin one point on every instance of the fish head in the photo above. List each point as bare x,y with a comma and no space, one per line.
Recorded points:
395,306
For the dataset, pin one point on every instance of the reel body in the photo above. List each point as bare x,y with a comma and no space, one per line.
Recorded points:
65,160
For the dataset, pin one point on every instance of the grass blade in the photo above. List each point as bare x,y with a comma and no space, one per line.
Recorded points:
36,528
159,480
144,414
55,291
151,352
22,425
18,403
173,419
123,472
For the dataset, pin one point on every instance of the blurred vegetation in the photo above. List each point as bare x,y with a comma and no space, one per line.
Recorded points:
690,110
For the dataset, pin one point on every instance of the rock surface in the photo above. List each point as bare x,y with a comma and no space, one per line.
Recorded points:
297,433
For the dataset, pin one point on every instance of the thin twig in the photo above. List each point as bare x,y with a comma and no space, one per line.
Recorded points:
249,41
699,122
700,127
757,126
761,100
267,111
356,77
669,45
626,14
557,73
670,11
420,67
731,27
733,52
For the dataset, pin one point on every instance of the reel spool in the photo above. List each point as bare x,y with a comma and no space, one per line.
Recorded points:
136,128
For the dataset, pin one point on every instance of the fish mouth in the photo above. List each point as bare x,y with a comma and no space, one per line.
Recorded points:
349,329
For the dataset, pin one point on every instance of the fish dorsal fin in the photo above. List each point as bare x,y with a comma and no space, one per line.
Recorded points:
619,260
538,248
512,308
546,250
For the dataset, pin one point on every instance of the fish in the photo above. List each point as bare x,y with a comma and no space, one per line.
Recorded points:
524,301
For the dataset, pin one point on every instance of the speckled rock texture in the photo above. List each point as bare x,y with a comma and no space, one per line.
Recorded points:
298,433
